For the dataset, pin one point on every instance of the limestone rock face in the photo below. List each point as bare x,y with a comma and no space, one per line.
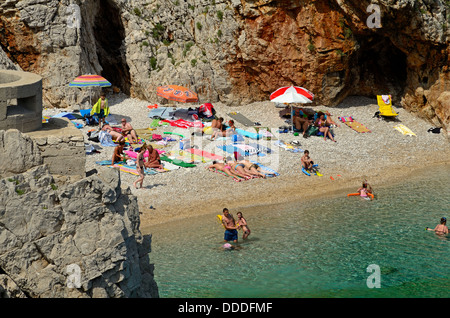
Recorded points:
14,147
235,51
74,240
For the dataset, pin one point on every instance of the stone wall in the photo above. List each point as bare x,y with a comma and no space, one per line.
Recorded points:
61,147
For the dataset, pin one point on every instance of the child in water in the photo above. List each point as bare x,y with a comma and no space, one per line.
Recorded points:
243,225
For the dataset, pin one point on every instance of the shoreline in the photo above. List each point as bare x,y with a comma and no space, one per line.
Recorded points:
327,186
381,156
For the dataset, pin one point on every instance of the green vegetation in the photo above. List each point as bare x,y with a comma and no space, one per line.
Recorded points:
199,26
219,33
20,191
193,62
158,31
220,15
153,62
187,47
54,187
137,12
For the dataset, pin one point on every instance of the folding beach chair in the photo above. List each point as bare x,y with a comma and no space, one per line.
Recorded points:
385,107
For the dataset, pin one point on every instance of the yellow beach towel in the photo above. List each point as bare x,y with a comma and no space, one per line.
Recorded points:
404,130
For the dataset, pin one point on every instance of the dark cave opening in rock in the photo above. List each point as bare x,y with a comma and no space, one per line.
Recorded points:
109,35
381,67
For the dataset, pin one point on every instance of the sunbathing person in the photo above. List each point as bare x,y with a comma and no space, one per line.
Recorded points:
153,160
251,168
321,123
239,170
116,136
128,131
329,120
221,166
118,154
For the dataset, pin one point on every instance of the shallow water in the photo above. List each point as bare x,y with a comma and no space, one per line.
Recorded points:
319,248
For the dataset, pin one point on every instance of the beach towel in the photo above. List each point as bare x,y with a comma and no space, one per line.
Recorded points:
287,146
162,112
181,123
235,178
105,139
104,162
178,162
260,149
202,153
249,134
242,149
353,124
404,130
133,170
237,116
269,172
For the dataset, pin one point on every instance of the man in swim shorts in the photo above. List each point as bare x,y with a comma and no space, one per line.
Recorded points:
231,233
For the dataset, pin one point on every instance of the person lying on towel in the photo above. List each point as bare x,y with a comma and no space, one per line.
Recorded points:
116,136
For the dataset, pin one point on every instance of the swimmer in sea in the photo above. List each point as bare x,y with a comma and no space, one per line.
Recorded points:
441,228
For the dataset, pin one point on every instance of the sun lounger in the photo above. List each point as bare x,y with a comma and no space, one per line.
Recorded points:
237,116
385,106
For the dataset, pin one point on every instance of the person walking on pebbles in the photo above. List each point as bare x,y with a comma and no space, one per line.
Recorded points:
140,166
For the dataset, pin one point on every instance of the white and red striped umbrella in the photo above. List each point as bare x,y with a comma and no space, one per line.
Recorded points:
292,94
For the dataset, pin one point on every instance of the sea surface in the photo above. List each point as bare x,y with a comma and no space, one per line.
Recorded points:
330,247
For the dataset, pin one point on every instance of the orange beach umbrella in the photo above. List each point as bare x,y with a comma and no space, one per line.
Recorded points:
177,93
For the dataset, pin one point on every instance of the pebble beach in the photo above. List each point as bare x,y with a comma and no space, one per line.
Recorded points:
383,155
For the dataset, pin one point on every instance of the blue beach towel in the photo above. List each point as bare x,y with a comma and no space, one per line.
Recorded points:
269,172
252,135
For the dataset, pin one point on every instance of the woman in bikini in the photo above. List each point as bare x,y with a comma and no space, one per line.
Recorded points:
140,166
323,126
243,225
239,169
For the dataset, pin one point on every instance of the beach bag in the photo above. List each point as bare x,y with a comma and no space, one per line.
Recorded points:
91,120
93,136
312,131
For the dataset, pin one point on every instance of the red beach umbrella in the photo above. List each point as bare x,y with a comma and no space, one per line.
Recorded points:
292,94
177,93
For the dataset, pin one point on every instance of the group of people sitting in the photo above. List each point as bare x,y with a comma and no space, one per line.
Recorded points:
239,168
219,129
303,119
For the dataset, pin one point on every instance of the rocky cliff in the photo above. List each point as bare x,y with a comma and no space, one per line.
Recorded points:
79,239
236,51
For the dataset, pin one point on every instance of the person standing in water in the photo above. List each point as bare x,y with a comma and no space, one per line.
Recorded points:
243,225
229,224
441,228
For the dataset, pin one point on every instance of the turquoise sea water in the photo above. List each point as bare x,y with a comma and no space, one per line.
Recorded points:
316,248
